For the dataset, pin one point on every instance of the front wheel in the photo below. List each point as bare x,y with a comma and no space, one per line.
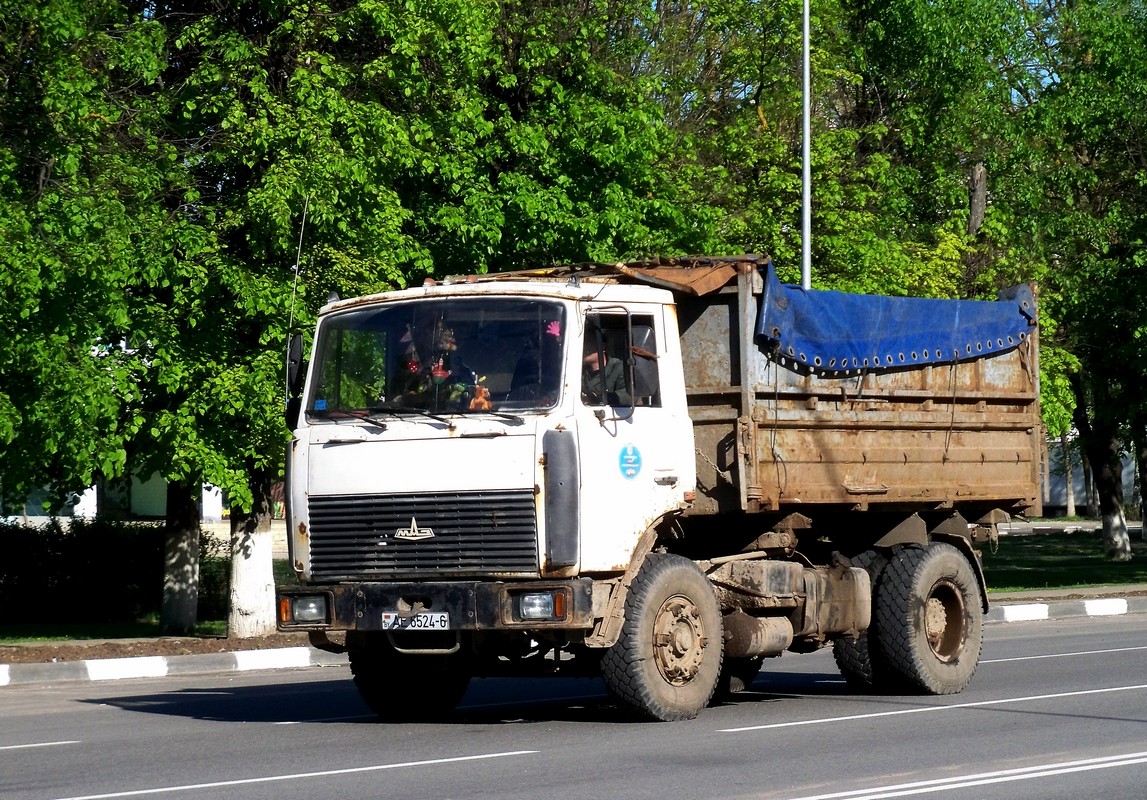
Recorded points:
667,659
930,617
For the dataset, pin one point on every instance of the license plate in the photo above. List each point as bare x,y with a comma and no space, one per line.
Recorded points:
422,621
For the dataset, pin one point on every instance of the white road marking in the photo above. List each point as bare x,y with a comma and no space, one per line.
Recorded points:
933,709
1063,655
1105,606
1095,607
113,669
984,778
278,658
1026,612
38,744
296,776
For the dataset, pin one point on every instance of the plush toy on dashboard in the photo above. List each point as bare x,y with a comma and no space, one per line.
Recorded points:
481,399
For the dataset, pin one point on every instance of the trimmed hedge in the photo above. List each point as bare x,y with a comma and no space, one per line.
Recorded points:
91,571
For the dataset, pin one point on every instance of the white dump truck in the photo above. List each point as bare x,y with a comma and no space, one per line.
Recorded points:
661,473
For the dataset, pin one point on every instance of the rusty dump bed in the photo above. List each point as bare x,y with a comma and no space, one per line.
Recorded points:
774,432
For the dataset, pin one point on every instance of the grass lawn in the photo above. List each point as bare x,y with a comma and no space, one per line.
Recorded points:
1059,561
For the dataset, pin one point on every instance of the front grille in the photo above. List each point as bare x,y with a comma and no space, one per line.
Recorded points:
475,533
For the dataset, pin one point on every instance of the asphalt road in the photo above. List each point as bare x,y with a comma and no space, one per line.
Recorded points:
1058,709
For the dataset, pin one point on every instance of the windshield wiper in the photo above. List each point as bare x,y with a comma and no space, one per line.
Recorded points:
399,410
374,415
349,415
514,418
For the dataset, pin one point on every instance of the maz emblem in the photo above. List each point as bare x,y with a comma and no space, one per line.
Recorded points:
413,532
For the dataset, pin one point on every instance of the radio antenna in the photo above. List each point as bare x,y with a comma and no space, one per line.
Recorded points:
294,292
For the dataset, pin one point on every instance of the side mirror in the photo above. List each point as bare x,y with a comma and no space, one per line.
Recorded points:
295,374
294,407
295,371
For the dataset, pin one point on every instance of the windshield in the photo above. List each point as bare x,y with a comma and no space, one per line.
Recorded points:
442,356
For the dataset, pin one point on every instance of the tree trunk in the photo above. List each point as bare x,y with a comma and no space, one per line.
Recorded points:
1091,497
177,614
1069,475
252,601
1116,540
1045,470
1101,445
977,197
1139,433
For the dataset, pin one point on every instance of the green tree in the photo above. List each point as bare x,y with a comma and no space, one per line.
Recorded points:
82,174
1089,124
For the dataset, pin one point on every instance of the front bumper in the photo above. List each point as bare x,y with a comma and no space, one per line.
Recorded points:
471,605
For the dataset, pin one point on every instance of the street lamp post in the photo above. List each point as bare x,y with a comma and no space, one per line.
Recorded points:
806,171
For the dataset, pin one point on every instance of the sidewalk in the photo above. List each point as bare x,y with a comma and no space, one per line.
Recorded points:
1005,607
1024,528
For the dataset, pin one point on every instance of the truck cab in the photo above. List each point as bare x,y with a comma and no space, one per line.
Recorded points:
464,432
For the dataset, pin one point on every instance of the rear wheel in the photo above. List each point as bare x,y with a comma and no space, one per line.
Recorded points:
401,688
930,618
666,662
860,660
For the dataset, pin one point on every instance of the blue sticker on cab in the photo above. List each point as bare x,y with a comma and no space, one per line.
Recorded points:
629,461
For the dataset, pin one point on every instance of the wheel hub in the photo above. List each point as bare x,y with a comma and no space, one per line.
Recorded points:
945,621
679,640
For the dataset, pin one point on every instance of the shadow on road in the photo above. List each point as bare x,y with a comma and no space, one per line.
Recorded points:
489,701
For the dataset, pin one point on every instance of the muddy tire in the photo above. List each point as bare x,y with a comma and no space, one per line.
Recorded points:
860,660
667,660
930,618
405,688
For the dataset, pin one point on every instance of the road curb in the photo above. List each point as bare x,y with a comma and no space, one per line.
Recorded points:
1066,609
111,669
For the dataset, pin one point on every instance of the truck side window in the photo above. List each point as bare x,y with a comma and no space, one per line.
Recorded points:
619,361
352,376
643,348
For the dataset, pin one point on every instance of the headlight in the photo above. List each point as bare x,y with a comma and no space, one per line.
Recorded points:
307,609
548,605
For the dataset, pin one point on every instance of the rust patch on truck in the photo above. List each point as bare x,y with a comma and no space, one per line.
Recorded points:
303,534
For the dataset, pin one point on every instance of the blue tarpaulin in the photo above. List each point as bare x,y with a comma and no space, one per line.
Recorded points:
837,332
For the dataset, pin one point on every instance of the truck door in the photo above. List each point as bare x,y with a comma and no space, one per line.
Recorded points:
631,440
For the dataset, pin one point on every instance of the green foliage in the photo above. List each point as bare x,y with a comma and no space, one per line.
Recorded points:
1057,401
155,166
78,182
1087,134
